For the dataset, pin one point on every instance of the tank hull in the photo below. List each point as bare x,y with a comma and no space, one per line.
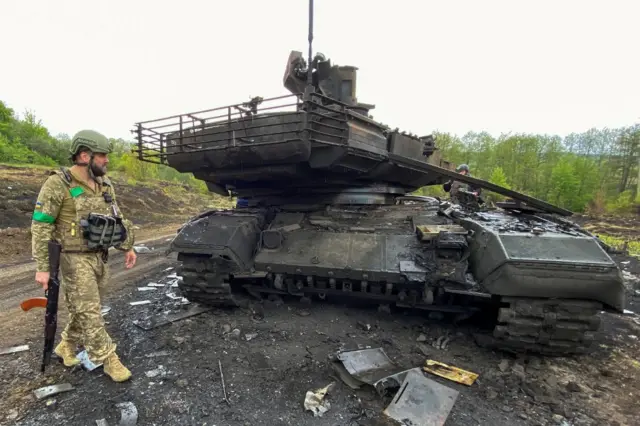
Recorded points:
411,256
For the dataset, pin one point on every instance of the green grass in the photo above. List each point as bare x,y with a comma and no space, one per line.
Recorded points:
633,247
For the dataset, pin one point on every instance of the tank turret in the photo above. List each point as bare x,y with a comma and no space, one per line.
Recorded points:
335,82
326,211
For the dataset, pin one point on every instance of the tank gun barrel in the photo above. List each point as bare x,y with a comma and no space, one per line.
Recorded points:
531,201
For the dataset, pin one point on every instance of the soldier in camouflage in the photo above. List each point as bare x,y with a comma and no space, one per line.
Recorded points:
453,186
74,207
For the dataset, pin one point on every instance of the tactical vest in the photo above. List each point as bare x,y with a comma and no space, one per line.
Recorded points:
97,225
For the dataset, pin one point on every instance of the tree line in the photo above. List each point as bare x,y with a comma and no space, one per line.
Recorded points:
594,172
25,140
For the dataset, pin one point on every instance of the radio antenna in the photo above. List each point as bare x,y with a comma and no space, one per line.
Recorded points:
310,68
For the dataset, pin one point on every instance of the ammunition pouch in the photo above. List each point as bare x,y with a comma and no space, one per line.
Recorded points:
102,232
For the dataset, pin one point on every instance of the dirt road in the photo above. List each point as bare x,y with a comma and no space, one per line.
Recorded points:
273,359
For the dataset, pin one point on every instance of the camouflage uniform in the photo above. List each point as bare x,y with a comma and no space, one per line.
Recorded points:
63,201
453,186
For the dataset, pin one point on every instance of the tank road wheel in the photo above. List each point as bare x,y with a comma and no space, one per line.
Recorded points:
547,326
204,283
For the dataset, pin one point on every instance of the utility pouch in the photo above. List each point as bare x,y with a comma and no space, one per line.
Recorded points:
102,231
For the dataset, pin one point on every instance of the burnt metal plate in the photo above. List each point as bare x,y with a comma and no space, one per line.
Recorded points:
368,365
421,401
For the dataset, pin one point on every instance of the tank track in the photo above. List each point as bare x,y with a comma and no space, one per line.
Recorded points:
544,326
204,282
547,326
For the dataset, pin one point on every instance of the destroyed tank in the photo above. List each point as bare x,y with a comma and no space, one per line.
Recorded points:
325,210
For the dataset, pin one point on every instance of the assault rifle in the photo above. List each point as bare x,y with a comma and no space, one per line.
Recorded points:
51,314
49,302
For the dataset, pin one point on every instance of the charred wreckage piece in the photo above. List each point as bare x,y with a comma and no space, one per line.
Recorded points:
325,210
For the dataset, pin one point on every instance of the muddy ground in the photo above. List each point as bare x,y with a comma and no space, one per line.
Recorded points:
177,381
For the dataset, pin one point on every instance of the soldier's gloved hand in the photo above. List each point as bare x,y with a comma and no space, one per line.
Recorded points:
42,278
129,259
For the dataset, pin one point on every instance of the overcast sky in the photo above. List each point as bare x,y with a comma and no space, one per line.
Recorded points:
537,66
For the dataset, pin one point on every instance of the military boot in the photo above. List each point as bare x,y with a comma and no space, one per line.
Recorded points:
66,351
114,368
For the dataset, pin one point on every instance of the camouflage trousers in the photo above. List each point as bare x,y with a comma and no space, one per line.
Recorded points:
84,276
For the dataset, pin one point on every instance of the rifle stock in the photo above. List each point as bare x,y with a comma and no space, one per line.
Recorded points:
51,314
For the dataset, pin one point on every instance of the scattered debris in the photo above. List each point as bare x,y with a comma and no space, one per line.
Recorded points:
128,414
105,310
628,312
368,365
102,422
140,302
423,349
86,362
48,391
141,249
421,401
51,404
315,402
449,372
14,349
421,338
224,387
250,336
165,319
160,371
156,354
147,288
183,300
418,400
442,342
363,326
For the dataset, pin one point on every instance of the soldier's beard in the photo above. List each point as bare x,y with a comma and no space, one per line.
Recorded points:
97,170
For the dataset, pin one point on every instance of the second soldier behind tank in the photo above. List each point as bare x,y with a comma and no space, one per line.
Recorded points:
453,186
74,206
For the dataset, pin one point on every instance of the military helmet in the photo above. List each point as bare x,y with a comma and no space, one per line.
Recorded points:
96,142
462,167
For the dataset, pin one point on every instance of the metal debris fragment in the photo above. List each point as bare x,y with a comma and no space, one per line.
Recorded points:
421,401
156,354
449,372
147,288
14,349
315,402
250,336
160,371
48,391
128,414
161,320
86,362
183,300
141,249
368,365
224,387
104,310
442,342
102,422
140,302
